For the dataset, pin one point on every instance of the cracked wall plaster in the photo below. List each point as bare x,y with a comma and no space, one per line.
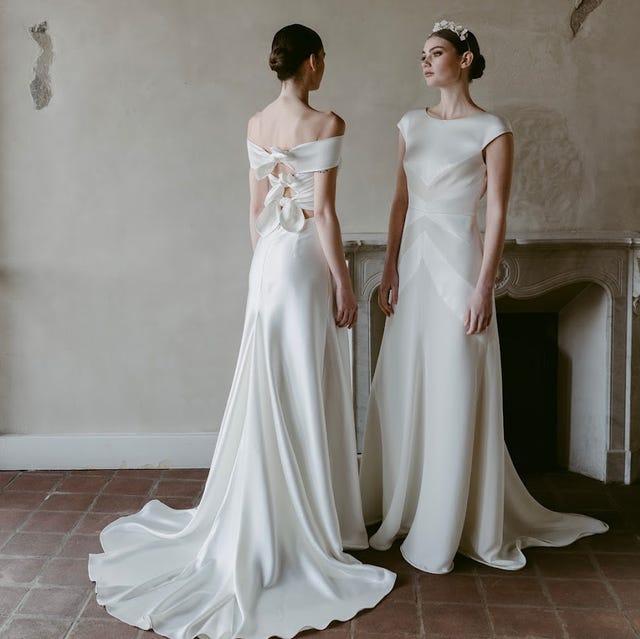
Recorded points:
582,10
40,86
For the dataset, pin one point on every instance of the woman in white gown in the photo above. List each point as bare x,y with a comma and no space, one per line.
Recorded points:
435,468
262,554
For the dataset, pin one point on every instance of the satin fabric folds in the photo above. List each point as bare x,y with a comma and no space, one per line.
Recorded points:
435,468
262,555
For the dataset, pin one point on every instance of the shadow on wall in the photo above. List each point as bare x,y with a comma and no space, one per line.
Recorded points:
549,177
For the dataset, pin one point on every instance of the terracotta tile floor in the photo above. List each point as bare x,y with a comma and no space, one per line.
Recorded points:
49,521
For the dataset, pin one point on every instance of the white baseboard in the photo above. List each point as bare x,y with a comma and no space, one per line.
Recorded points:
114,450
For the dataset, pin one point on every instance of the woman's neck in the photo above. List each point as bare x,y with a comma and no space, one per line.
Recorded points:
294,91
455,102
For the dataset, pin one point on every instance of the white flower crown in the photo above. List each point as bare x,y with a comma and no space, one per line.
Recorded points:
458,29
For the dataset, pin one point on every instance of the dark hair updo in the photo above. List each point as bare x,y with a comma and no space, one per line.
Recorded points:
291,46
470,43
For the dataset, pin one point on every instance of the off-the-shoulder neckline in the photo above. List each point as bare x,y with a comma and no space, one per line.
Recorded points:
297,146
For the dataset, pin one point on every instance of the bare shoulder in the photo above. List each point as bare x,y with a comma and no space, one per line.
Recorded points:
332,125
253,126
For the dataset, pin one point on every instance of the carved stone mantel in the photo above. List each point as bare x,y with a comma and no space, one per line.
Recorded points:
533,265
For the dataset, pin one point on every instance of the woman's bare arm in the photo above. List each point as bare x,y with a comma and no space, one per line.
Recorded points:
499,160
388,290
330,236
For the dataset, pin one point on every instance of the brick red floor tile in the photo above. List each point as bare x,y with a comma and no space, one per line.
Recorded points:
179,503
28,544
149,473
40,482
579,593
53,602
517,592
37,629
186,473
460,620
10,598
52,521
465,566
64,571
13,519
515,621
4,536
95,522
118,503
619,566
20,570
596,624
634,618
403,589
93,611
334,631
178,488
103,629
6,476
359,634
615,541
129,486
555,563
82,484
80,546
20,500
451,588
68,501
390,618
628,591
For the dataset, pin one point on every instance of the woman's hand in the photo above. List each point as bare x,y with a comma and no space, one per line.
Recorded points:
388,291
346,306
479,311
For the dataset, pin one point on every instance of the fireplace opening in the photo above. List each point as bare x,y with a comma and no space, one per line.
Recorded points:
529,357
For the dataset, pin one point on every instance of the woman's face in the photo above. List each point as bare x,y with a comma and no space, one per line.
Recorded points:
441,63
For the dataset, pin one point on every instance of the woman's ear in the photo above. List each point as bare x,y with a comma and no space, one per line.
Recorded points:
313,61
467,59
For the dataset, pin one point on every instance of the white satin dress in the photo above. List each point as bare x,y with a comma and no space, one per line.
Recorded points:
262,555
435,468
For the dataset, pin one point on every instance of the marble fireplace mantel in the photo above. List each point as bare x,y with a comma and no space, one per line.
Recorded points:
534,265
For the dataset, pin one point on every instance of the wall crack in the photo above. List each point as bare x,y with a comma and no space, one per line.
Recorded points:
40,86
580,13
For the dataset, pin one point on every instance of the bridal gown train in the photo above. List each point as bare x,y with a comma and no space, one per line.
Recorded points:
435,467
262,554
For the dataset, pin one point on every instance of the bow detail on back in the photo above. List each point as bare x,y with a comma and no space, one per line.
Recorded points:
280,209
287,211
272,159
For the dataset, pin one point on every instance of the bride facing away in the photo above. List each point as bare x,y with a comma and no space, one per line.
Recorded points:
435,469
262,554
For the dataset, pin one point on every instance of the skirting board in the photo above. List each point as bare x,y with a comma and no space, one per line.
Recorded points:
116,450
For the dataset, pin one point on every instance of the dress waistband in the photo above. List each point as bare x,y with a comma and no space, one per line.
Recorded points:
438,211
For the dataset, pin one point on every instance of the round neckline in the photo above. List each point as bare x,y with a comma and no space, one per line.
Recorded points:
466,117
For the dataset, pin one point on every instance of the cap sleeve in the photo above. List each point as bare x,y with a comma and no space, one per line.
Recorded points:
496,127
403,125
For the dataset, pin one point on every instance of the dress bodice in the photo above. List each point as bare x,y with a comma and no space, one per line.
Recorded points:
443,160
304,160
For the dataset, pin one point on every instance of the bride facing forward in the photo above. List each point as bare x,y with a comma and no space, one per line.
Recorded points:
262,554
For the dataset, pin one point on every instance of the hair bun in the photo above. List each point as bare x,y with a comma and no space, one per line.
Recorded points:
291,46
477,66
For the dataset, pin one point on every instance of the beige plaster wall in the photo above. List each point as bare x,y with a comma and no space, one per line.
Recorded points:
123,240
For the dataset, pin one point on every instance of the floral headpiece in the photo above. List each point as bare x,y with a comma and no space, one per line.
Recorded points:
458,29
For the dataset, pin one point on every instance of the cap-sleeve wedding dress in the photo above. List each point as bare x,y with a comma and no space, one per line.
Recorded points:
435,468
